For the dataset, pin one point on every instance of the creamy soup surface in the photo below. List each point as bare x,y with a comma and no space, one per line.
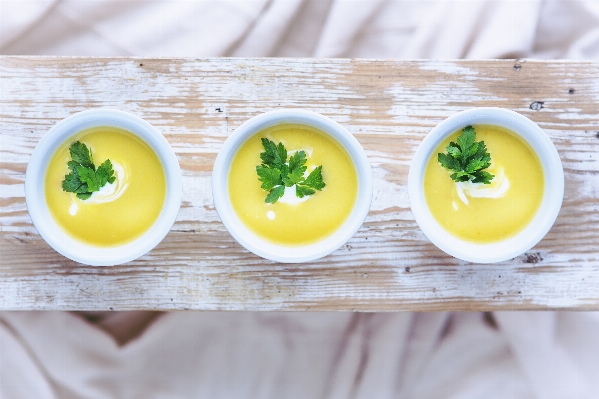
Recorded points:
121,212
302,223
487,213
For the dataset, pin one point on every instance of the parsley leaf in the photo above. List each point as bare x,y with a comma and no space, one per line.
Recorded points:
274,155
314,179
297,168
276,172
88,176
301,191
84,178
81,155
297,161
467,158
84,196
270,177
105,173
73,184
274,194
294,177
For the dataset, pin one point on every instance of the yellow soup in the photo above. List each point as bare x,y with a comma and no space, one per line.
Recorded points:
294,223
120,212
487,213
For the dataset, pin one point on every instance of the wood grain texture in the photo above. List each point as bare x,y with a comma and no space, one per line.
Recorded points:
388,105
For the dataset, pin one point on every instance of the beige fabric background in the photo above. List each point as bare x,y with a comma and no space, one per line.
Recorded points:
301,355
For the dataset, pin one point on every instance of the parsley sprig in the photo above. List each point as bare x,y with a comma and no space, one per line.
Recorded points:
84,178
276,172
467,158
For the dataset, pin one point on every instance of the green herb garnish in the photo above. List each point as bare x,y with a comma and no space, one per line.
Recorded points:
276,172
467,158
84,178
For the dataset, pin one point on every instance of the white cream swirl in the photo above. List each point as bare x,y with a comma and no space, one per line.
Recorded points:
497,189
289,196
111,191
107,193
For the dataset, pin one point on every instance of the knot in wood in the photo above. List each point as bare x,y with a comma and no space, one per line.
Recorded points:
536,105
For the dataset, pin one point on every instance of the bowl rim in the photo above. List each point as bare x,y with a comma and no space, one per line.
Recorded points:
267,249
48,228
545,216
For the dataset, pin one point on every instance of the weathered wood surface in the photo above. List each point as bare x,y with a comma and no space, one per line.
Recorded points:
388,105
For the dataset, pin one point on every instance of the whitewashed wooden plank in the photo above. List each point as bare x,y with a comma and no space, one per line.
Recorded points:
388,105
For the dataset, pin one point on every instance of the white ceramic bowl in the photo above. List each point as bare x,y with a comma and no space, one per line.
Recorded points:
266,249
55,236
542,221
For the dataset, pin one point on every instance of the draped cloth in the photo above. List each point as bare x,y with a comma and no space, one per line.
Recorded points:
304,355
300,355
303,28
